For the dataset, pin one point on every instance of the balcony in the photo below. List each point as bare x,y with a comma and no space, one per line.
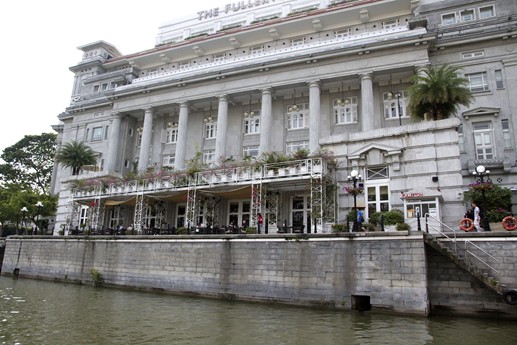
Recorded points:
109,186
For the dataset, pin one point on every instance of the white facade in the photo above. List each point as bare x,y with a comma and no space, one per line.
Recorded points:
256,77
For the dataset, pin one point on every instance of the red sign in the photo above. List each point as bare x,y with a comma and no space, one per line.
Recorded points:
411,195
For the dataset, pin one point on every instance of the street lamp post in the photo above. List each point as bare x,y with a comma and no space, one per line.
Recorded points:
484,176
39,206
398,94
354,177
24,214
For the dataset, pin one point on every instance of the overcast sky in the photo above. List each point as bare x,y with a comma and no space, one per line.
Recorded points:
39,43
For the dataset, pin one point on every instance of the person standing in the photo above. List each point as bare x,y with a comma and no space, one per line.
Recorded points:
477,217
260,220
360,219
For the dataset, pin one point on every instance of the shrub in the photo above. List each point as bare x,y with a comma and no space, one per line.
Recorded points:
97,278
392,217
251,230
403,226
337,228
182,230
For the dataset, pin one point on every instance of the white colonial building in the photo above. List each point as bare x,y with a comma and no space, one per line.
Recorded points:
258,78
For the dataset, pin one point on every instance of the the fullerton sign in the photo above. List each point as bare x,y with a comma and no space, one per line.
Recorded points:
232,7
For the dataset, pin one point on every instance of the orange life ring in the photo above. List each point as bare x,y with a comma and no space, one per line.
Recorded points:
467,224
509,223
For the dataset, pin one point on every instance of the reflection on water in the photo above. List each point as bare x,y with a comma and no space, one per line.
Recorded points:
39,312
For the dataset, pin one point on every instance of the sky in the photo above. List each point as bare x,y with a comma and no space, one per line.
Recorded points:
39,43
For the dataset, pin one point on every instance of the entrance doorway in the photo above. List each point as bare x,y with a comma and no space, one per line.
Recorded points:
301,213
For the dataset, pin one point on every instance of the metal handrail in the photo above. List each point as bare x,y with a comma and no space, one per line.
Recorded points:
454,239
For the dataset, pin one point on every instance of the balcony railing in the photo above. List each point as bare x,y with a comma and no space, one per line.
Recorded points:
179,181
324,44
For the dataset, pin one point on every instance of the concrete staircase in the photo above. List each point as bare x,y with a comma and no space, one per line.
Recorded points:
483,272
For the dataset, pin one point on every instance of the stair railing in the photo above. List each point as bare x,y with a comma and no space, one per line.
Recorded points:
469,246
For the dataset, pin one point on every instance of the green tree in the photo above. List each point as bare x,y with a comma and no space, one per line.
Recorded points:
498,200
13,198
75,155
438,93
29,162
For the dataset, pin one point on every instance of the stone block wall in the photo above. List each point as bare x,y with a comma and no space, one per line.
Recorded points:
452,290
393,272
390,271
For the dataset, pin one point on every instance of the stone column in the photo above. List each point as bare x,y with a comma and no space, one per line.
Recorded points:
113,163
367,111
222,127
266,121
157,144
314,115
145,146
181,144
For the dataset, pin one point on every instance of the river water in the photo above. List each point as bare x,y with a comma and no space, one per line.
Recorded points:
40,312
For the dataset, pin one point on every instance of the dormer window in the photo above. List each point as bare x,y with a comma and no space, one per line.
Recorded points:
486,12
467,15
448,19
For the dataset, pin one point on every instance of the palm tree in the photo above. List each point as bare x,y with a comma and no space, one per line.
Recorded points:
438,93
75,155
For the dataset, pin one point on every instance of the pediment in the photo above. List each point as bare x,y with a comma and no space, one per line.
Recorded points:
386,149
481,111
376,154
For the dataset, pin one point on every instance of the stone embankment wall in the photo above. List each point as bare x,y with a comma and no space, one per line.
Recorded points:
452,290
393,272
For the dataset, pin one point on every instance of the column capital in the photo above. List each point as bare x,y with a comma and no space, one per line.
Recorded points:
223,97
312,83
267,90
366,75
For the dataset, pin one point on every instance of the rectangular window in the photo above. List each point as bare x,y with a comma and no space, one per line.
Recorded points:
486,12
106,132
169,160
395,104
172,135
342,33
448,19
181,214
256,50
83,216
297,41
483,140
461,139
507,138
96,88
498,79
250,151
298,116
116,217
210,130
97,133
379,173
377,198
467,15
219,57
239,213
392,24
478,82
104,86
472,55
209,157
296,145
184,64
252,123
345,110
